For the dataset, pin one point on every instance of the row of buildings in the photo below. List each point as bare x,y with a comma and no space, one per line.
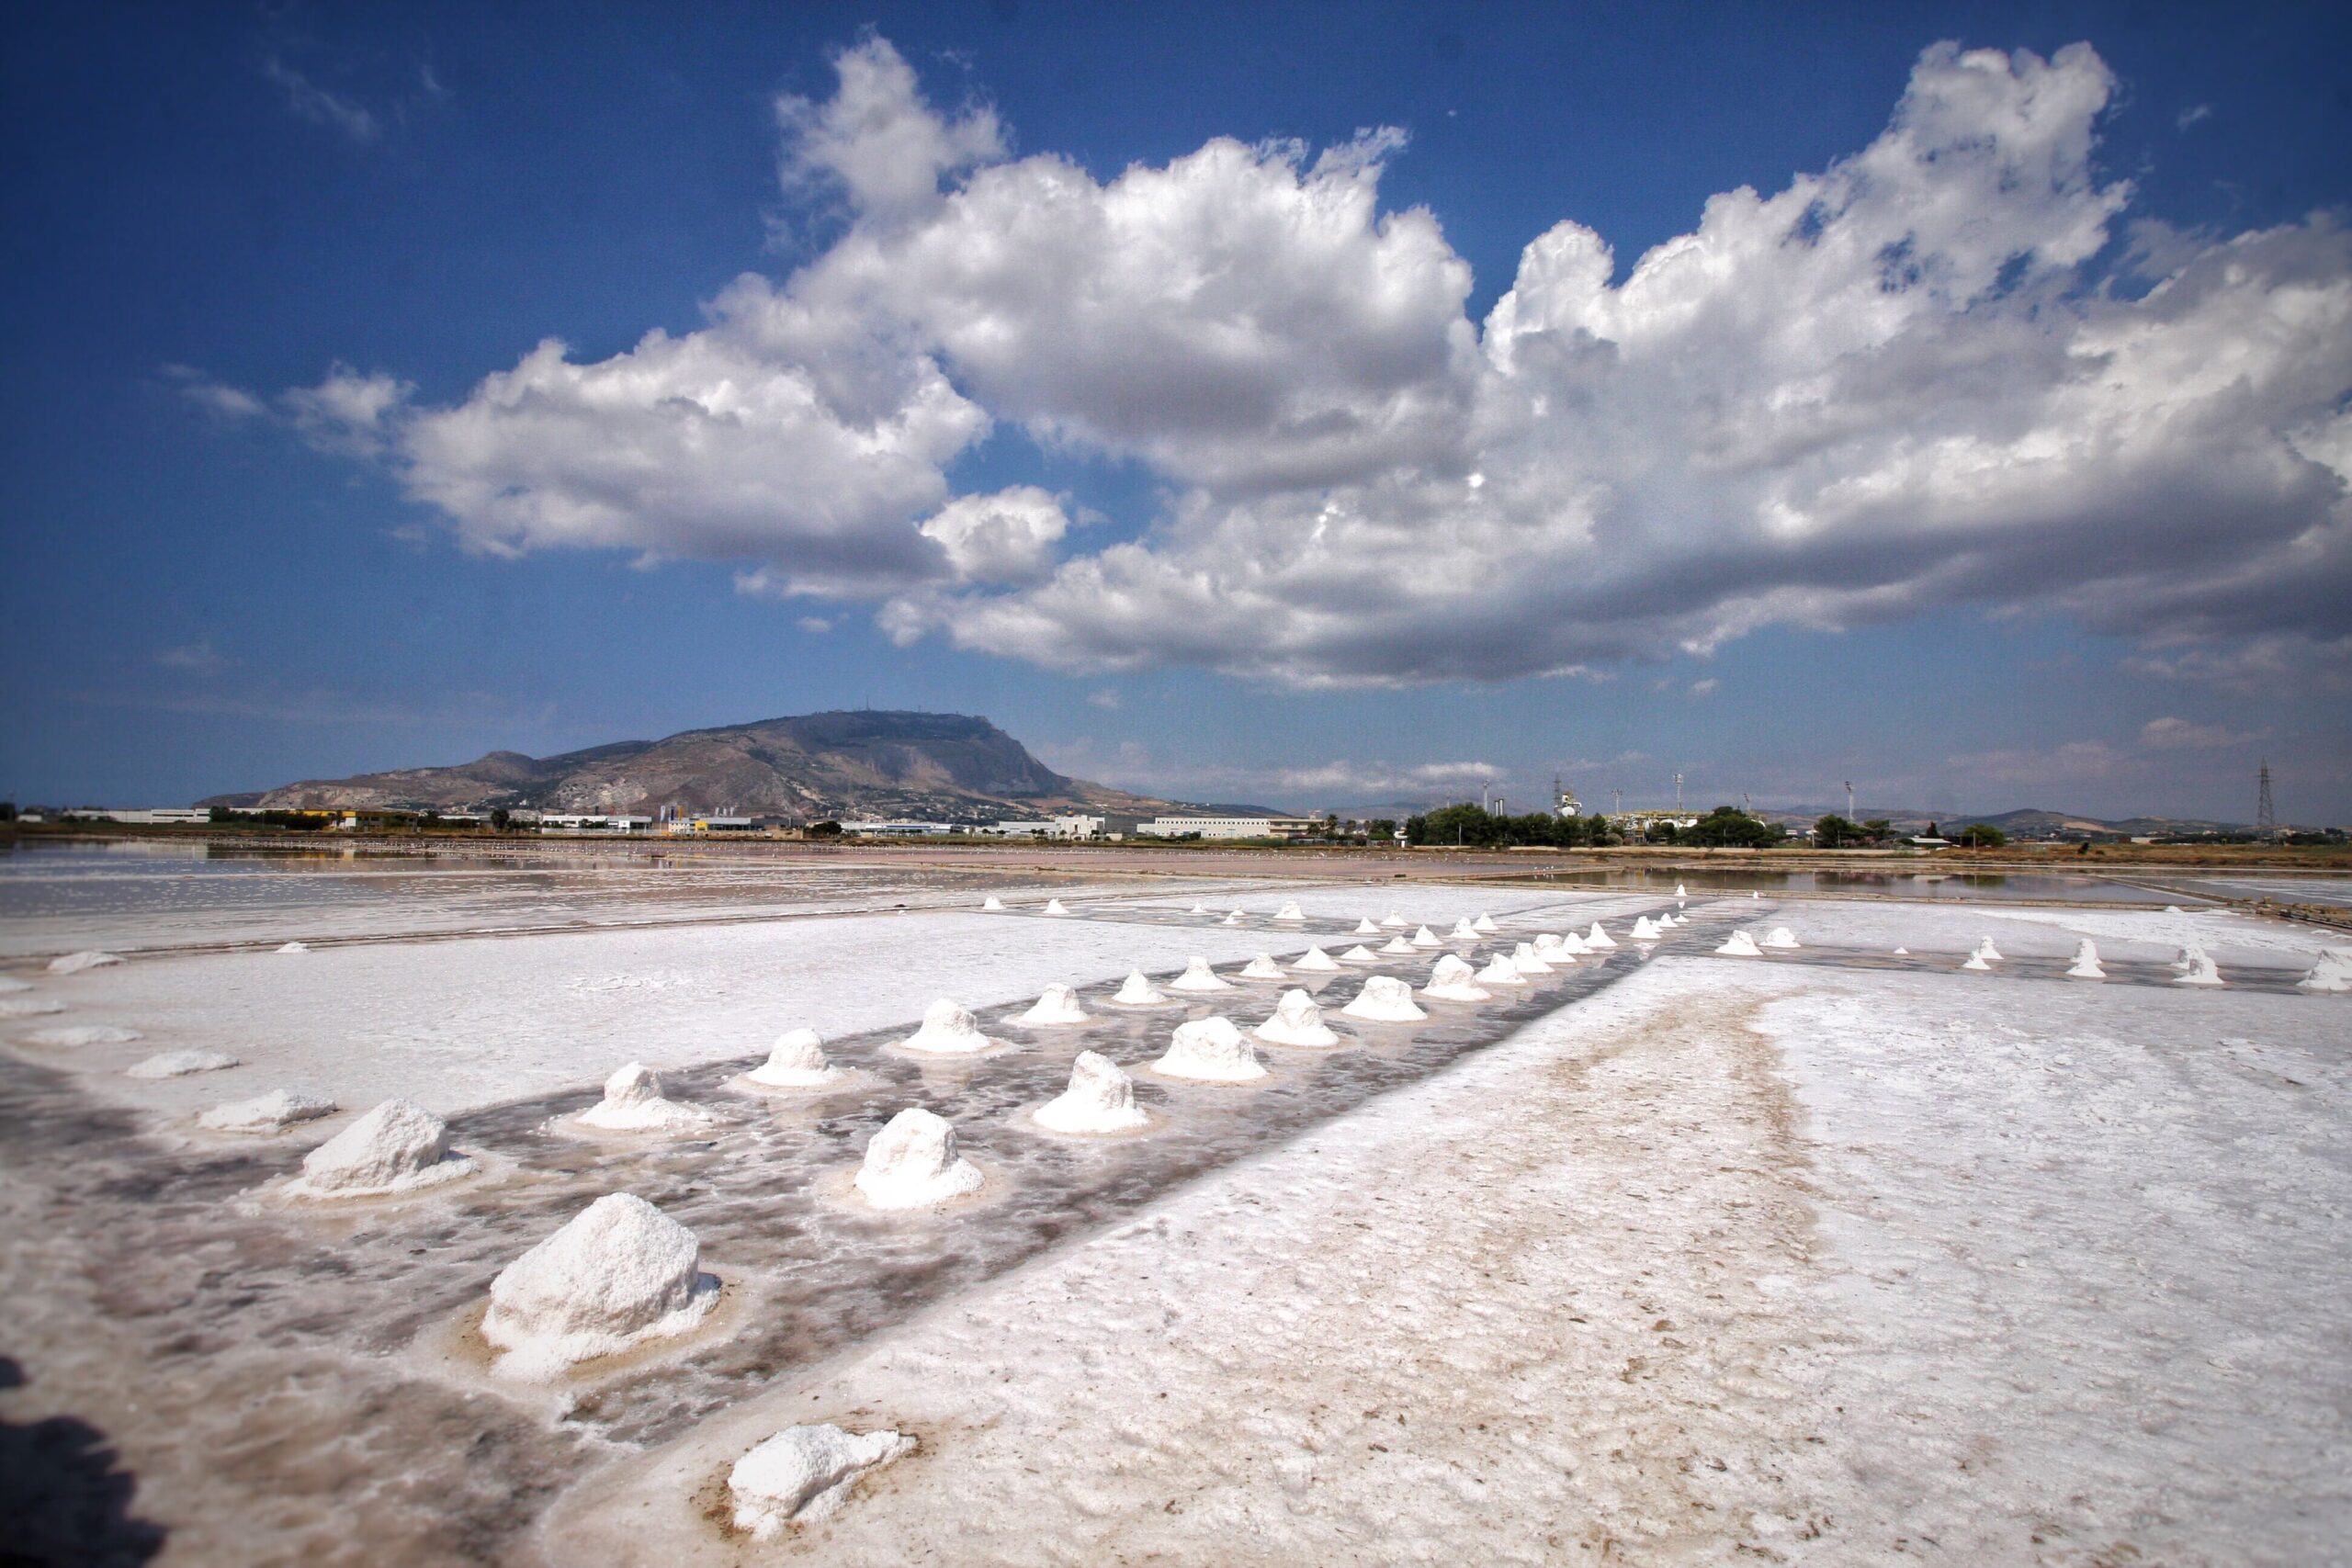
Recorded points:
1060,826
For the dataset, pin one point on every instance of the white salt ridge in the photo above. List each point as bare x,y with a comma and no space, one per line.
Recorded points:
1289,912
1210,1050
1524,959
1298,1021
1453,980
1645,929
2332,973
2087,965
803,1474
948,1030
796,1060
76,1035
74,962
1262,967
1597,938
180,1065
1359,954
2202,970
1314,961
397,1148
1781,939
634,1102
1385,999
271,1112
1739,944
1139,992
993,904
912,1162
1100,1099
294,947
1366,927
1426,938
619,1274
1399,945
1054,906
1499,971
1485,925
29,1007
1199,976
1055,1005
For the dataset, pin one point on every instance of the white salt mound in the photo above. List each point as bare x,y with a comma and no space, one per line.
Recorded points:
1139,992
1398,944
1453,980
993,904
1740,945
1232,920
1501,972
1100,1099
2202,970
1485,924
1296,1022
1199,976
1524,958
1781,938
1055,1005
1549,946
1314,961
1366,928
1396,921
1289,912
803,1474
2087,965
74,1035
29,1007
74,962
1678,892
1426,938
1199,909
1986,951
912,1162
1902,953
397,1148
2331,974
947,1031
271,1112
1977,961
620,1272
1462,930
179,1064
295,947
2175,909
1645,929
796,1060
1359,954
1262,967
1598,938
1212,1050
1054,906
1572,946
633,1102
1384,1000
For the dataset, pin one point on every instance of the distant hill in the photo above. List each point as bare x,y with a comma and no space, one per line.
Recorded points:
2028,822
934,765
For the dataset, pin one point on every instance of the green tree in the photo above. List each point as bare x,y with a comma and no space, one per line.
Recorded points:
824,830
1727,827
1380,830
500,819
1834,832
1982,836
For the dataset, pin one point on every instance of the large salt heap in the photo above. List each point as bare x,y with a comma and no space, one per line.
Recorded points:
803,1474
633,1102
1500,971
1597,938
1138,992
1262,967
1986,951
397,1148
912,1162
1289,911
1453,980
1296,1022
1645,929
2087,965
1384,1000
948,1030
2198,969
1100,1099
1524,959
271,1112
796,1060
1314,961
1739,944
1782,939
1054,1007
619,1274
1199,976
2332,973
1210,1050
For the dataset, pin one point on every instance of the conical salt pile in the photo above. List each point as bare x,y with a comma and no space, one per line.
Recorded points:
1100,1099
1453,980
1462,930
1499,971
1366,928
1645,930
1597,938
947,1031
1296,1022
397,1148
2332,973
1384,1000
1781,938
1057,1005
1199,976
621,1272
1678,892
1986,951
1426,938
1524,958
1485,925
1396,921
1262,967
633,1103
803,1474
1232,920
2086,962
1977,962
912,1162
1359,954
1139,992
1902,953
1199,909
1551,948
1398,945
1210,1050
993,904
1289,912
1740,945
796,1060
1054,906
293,948
1314,961
2202,970
1572,946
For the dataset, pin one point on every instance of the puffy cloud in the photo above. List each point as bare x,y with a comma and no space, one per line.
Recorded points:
1926,375
348,413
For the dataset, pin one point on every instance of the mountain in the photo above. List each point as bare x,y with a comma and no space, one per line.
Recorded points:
935,765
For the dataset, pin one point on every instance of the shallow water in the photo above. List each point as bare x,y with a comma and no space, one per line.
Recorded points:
1984,887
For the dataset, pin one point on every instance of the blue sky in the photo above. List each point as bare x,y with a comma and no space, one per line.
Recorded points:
1115,375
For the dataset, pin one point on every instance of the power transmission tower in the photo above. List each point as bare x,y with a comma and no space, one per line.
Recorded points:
2266,810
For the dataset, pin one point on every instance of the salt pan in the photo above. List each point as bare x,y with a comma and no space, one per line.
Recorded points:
397,1148
271,1112
1296,1022
1781,939
1740,945
1055,1006
633,1102
803,1474
912,1162
74,962
1500,972
2086,967
796,1060
1597,938
1100,1099
1199,976
619,1273
76,1035
1139,992
947,1031
1384,1000
1212,1050
179,1064
1314,961
1262,967
1453,980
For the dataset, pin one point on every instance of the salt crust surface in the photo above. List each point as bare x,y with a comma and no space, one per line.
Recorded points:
634,1102
617,1274
396,1147
803,1474
912,1162
2074,1288
271,1112
1100,1098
